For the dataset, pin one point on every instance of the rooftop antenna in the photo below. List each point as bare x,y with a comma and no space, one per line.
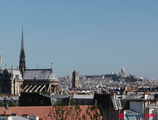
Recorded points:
52,66
5,66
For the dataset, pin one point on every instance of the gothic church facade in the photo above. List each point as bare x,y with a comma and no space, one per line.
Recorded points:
14,81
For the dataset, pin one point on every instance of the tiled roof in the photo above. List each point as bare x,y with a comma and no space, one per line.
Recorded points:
44,112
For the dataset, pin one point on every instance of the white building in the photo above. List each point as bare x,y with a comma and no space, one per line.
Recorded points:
123,73
12,117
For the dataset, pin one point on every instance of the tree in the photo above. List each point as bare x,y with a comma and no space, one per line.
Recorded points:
11,104
78,111
100,107
1,104
61,111
46,93
131,78
93,112
114,77
84,117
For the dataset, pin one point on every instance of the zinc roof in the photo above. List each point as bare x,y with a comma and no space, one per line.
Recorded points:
39,74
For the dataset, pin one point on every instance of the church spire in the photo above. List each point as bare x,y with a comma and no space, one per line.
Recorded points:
22,41
0,64
22,56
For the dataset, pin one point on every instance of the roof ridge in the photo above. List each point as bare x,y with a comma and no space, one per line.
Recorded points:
38,69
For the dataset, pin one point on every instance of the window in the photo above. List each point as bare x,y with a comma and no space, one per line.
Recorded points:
74,101
79,101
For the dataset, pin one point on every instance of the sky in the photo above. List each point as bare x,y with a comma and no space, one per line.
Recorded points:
92,36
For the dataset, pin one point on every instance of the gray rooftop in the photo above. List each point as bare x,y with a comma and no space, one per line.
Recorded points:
80,96
19,118
40,74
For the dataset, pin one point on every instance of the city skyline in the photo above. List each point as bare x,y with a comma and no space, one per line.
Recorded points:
95,37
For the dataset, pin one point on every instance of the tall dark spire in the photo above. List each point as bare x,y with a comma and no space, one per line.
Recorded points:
22,56
22,41
0,64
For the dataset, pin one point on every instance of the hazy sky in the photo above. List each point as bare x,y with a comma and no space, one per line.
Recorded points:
91,36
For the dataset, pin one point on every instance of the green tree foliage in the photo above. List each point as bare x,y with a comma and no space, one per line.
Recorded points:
100,107
84,117
1,104
11,104
114,77
5,94
131,78
60,110
46,93
78,111
93,112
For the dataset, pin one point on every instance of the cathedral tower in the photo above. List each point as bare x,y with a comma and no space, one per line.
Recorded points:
75,79
22,56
